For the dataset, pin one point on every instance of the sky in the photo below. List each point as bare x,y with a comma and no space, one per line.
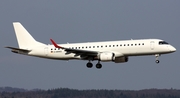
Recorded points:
69,21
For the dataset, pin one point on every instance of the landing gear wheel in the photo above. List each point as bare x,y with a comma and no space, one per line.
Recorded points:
98,66
89,65
157,61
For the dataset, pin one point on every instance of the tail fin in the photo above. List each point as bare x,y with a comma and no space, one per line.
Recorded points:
25,40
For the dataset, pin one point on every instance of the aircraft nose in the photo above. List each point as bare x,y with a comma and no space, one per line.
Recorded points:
172,49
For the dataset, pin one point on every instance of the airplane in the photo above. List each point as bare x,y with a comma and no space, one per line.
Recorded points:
105,51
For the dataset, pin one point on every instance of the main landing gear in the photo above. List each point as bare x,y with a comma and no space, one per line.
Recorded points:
90,65
157,56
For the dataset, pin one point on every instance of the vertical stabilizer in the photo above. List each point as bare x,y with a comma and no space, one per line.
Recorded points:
25,40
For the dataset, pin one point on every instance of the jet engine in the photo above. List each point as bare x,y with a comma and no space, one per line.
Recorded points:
106,56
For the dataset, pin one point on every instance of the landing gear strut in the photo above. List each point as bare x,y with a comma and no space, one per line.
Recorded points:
157,56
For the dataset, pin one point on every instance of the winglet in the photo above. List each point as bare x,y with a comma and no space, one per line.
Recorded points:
55,45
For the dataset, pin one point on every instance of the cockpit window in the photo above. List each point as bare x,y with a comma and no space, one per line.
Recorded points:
162,43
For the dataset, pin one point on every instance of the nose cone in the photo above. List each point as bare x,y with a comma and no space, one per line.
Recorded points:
172,49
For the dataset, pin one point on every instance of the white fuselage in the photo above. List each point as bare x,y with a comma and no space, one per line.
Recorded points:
120,48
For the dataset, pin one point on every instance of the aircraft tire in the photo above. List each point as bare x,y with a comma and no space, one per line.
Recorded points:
98,66
89,65
157,61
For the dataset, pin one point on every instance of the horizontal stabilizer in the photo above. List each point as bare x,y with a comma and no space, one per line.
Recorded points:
17,50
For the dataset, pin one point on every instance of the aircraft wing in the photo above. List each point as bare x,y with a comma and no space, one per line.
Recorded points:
76,51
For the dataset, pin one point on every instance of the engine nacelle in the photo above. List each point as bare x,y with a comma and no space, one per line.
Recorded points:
106,56
121,59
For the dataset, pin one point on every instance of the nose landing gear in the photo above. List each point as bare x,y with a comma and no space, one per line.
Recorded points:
157,56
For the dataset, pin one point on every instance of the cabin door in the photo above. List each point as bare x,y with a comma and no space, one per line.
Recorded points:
152,45
46,51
